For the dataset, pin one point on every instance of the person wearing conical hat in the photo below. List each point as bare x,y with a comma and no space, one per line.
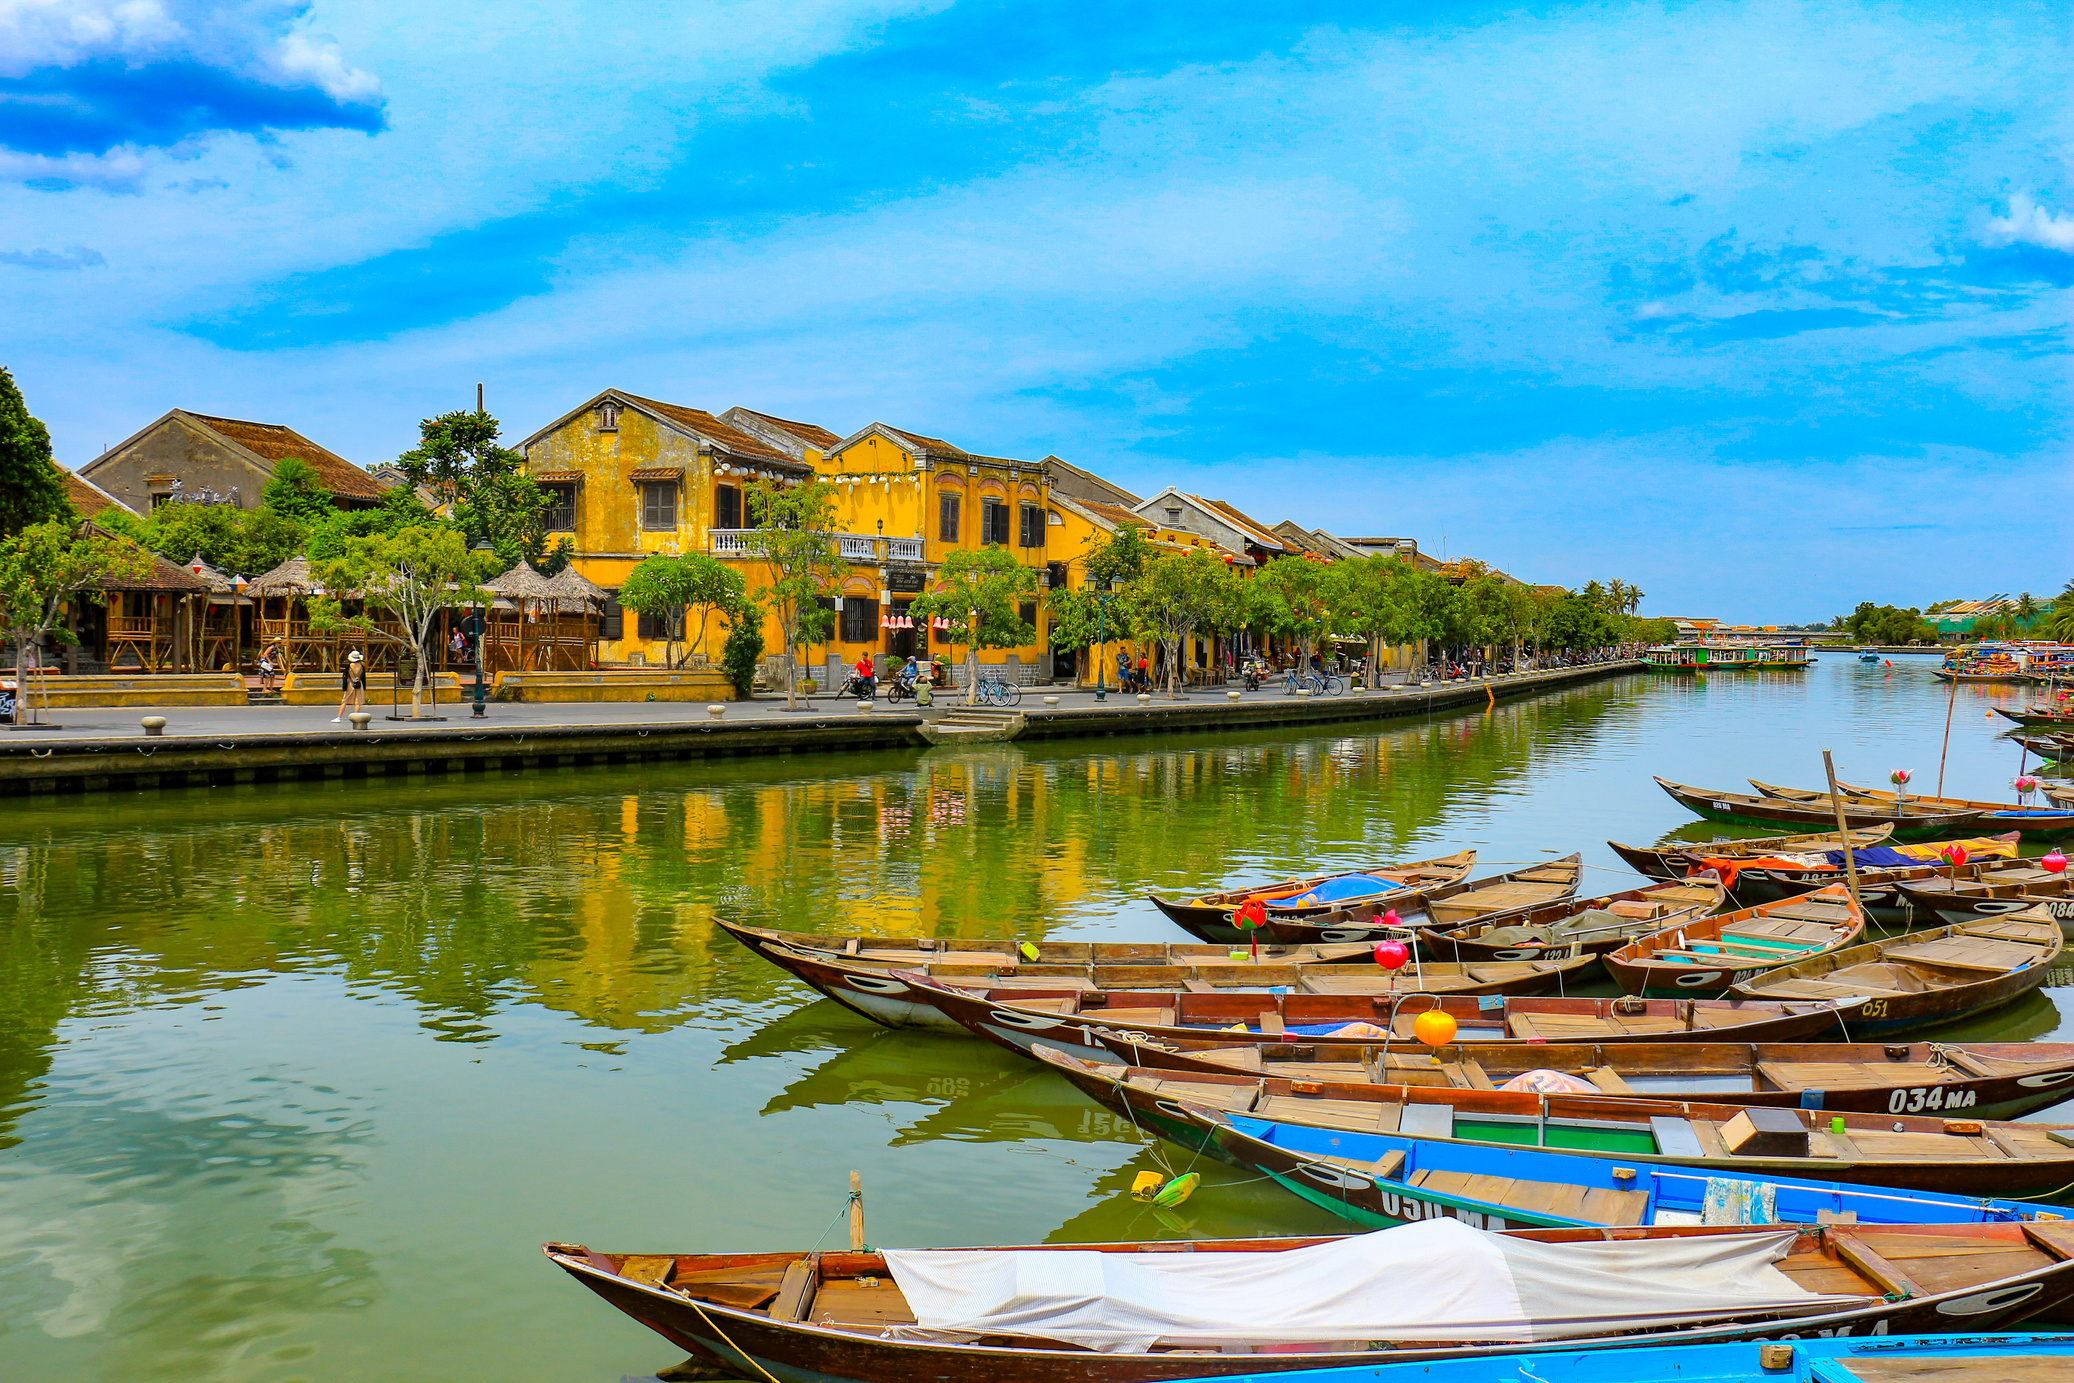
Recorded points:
353,682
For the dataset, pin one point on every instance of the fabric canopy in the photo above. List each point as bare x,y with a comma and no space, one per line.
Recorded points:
1338,889
1434,1280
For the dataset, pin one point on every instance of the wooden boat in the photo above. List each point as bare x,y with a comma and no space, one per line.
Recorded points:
1489,899
828,963
2000,1358
2055,748
1909,822
2039,716
1588,926
1209,916
1768,879
842,1317
1964,1156
1675,861
2045,823
1984,892
1707,955
1083,1023
1990,1080
2000,673
1927,977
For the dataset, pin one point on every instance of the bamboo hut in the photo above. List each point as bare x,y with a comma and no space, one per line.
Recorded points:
144,624
540,624
218,637
283,597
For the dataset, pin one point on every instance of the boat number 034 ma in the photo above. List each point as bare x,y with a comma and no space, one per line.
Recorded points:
1917,1100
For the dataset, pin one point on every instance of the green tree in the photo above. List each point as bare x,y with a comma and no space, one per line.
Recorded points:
744,647
46,566
2027,611
31,489
414,573
1286,599
294,491
1186,593
981,591
458,455
790,535
1078,620
674,587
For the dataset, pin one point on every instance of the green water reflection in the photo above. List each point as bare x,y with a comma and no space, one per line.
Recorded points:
293,1081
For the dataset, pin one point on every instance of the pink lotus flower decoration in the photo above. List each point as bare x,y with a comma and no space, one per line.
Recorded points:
2026,785
2055,862
1390,919
1899,777
1955,854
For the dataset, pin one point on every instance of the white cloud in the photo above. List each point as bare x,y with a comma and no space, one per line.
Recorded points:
2031,224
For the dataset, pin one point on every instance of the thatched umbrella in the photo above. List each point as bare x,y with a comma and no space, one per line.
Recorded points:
520,583
292,578
571,587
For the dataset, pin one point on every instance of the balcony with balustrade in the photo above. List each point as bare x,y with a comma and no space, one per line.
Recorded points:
851,547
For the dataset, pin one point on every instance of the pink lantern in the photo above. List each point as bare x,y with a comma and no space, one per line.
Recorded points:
2055,862
1392,955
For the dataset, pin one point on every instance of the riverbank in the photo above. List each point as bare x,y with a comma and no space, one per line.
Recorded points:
106,749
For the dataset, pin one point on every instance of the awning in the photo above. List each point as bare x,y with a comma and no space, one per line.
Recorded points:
652,473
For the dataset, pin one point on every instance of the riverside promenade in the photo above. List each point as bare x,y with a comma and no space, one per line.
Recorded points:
96,749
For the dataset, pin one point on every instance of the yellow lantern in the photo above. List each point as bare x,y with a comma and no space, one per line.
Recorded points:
1435,1027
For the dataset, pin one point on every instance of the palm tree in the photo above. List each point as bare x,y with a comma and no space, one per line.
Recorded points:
2026,611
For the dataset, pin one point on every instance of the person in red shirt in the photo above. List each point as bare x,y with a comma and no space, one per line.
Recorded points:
866,679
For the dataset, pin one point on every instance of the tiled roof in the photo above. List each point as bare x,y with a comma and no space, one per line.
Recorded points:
731,439
160,576
1257,530
88,498
272,442
820,438
1079,481
936,444
1111,513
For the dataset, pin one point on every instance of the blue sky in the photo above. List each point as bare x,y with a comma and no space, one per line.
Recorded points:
1761,306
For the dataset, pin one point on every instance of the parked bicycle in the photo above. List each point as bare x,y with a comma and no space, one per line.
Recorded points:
1317,684
998,692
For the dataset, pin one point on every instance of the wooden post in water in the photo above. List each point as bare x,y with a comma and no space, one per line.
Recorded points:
1950,702
856,1212
1843,830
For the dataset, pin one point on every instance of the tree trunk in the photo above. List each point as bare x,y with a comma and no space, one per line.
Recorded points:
1174,647
972,675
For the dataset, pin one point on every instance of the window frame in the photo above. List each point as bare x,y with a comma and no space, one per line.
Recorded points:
650,490
993,518
861,613
561,499
1030,524
725,497
949,516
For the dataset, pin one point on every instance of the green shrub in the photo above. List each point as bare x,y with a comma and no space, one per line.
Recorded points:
738,657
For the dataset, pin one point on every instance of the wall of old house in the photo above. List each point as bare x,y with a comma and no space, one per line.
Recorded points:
173,449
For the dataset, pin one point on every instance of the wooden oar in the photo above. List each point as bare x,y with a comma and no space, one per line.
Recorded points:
1836,802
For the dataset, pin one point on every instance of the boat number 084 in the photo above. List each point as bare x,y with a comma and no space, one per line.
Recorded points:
1917,1100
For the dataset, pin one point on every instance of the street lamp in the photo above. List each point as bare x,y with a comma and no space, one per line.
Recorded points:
1102,599
482,615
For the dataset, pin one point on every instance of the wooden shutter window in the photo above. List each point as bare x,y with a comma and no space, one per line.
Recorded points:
1032,526
727,507
615,618
946,518
658,504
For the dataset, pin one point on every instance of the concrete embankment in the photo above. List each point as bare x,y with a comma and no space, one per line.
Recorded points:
251,752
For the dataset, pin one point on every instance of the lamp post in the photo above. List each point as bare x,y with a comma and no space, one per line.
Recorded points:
482,614
1102,599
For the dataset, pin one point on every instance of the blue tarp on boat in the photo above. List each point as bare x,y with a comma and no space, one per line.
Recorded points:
1336,890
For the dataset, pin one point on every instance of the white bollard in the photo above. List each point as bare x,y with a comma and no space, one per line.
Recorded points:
864,704
1051,701
716,710
360,719
1231,696
154,725
1144,698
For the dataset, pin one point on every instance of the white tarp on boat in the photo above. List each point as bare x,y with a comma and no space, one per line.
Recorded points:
1434,1280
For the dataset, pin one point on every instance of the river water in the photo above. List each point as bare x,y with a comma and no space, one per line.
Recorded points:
294,1080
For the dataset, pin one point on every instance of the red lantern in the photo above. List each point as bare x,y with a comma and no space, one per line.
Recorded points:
1392,955
2055,862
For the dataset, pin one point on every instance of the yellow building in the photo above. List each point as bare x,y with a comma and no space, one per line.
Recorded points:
630,477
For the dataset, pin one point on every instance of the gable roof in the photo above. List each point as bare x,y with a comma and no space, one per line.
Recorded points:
1251,527
696,423
1085,484
792,438
272,442
935,446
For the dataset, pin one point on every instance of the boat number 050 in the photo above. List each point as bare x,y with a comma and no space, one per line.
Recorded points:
1917,1100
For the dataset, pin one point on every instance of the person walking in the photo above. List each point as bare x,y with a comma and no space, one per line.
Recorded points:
270,665
353,683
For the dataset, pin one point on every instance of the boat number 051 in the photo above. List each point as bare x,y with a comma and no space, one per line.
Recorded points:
1917,1100
1873,1008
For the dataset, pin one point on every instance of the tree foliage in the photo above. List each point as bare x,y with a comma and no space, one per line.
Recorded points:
677,587
458,455
414,573
1888,624
981,591
1184,593
46,566
744,647
31,489
294,492
790,535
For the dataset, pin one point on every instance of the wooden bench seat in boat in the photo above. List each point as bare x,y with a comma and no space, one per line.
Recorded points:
1966,953
1134,1017
1854,1075
1595,1205
846,1301
1499,898
1356,1116
1565,1027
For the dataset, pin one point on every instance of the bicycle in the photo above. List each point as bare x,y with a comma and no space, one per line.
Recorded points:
998,692
1325,685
